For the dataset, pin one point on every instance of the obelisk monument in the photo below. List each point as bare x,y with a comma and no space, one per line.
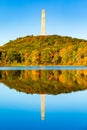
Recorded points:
43,32
42,106
43,25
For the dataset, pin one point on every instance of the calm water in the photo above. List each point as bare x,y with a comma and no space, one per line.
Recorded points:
43,98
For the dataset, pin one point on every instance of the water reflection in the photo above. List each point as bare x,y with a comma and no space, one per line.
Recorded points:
42,106
45,81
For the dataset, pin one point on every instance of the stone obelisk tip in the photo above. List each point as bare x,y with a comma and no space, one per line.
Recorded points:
43,27
43,10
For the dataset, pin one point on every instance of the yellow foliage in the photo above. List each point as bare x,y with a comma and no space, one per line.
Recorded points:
26,74
62,78
35,75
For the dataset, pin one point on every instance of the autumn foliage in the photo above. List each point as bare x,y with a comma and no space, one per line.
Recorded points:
45,81
44,50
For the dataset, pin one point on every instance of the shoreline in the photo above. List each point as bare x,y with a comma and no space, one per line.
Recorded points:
15,65
40,67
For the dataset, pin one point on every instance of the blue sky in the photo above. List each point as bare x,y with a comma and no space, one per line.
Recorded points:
23,17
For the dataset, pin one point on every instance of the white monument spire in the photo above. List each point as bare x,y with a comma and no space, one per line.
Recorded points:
43,26
42,106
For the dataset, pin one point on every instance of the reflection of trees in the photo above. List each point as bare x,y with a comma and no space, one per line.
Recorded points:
45,81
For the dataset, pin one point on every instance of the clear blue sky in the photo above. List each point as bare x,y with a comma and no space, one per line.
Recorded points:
23,17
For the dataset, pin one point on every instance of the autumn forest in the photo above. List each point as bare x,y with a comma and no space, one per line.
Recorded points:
44,50
45,81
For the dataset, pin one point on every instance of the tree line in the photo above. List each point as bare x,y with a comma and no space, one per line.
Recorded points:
44,50
45,81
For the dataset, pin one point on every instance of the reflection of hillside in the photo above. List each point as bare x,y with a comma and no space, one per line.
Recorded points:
44,81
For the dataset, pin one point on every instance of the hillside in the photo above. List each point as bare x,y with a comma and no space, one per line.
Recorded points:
44,50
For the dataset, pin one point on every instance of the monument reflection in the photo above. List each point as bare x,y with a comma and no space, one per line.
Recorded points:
45,82
42,106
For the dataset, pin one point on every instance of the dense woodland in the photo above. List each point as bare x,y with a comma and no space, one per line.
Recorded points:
44,50
45,81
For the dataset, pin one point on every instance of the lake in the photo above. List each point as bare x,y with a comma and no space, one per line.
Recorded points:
41,98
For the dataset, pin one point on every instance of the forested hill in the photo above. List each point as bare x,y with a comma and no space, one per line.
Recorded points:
44,50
